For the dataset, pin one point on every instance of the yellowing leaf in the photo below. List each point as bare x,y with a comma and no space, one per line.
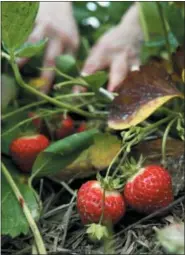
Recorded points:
140,94
102,152
97,157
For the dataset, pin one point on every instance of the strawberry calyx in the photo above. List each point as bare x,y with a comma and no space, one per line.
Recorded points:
132,168
97,232
108,183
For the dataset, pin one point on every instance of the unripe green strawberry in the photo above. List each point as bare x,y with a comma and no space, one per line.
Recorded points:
25,149
149,190
90,203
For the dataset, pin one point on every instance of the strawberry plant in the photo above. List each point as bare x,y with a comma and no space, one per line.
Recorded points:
77,135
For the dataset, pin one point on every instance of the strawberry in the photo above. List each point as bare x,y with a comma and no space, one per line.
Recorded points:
25,149
149,190
90,203
36,121
66,127
82,127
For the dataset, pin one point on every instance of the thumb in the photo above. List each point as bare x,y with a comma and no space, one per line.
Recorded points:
118,71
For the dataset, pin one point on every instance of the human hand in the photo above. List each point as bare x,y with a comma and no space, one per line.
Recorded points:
117,50
54,20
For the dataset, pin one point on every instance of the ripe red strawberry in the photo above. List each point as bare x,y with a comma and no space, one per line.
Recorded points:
149,190
90,203
37,121
25,149
82,127
66,127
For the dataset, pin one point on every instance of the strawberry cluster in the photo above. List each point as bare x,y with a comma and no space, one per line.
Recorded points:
146,191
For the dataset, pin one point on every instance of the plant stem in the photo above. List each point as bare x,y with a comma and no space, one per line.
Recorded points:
29,120
57,71
45,102
66,83
113,161
5,55
165,139
136,139
103,207
154,126
47,98
37,236
165,30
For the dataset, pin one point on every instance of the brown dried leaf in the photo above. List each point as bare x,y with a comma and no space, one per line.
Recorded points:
140,94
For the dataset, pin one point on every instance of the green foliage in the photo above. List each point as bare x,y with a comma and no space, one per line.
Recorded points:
96,80
9,91
17,22
175,18
31,49
14,222
61,153
155,42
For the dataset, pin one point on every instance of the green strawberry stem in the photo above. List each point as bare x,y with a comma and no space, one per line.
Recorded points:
165,139
37,236
103,207
66,83
47,98
5,55
132,138
21,123
57,71
113,161
26,107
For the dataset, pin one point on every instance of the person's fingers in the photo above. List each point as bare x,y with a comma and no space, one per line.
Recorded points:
97,60
54,48
118,71
36,35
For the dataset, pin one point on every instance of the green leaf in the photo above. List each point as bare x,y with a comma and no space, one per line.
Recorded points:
96,80
13,221
31,49
17,22
9,91
174,16
67,64
61,153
